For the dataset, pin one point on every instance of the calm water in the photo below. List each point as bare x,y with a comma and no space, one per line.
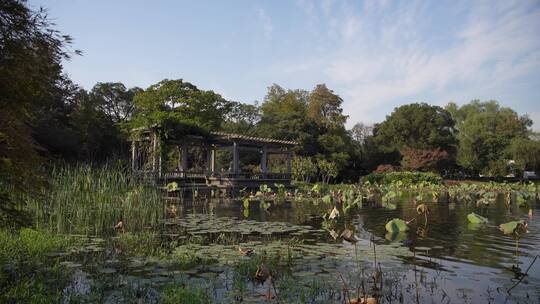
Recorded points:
456,261
446,261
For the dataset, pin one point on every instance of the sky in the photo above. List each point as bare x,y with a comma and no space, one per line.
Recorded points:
376,55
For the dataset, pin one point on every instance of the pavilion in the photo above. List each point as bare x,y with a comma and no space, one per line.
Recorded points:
162,161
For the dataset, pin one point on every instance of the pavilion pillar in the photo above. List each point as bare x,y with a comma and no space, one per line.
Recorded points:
235,158
160,158
213,160
209,159
289,161
184,159
264,161
154,153
134,147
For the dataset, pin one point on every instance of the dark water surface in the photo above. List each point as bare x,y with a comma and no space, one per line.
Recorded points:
447,260
455,261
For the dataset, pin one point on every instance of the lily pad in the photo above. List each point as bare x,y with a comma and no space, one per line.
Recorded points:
396,225
513,227
476,219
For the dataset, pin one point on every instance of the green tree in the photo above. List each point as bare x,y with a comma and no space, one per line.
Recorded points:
242,118
526,153
417,126
324,108
485,132
115,100
180,102
283,114
303,168
31,52
327,170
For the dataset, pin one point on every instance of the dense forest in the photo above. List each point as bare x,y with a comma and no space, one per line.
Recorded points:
46,118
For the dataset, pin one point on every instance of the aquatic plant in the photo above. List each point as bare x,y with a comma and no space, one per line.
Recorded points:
396,225
88,200
474,218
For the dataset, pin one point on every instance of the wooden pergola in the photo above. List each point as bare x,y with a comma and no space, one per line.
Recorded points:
150,153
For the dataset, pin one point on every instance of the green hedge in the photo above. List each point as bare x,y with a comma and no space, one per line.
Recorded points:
407,178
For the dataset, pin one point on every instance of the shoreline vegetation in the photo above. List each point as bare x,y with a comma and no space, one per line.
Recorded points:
365,222
78,213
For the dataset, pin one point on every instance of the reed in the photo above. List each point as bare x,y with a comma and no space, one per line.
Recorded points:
84,199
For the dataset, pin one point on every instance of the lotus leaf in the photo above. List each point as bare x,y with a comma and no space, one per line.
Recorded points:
327,199
334,214
513,227
396,225
171,187
476,219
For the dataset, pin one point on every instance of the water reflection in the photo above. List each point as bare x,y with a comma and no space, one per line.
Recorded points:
466,260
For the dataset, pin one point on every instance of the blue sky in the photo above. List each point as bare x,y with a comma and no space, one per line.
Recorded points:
375,54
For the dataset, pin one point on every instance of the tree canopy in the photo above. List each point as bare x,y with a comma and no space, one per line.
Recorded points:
485,132
417,126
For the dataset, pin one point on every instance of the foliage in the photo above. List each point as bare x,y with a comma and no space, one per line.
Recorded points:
303,168
417,126
476,219
84,199
327,170
242,118
385,169
179,102
22,256
115,100
360,132
405,178
396,225
526,153
29,245
324,108
424,160
486,130
178,294
514,227
31,52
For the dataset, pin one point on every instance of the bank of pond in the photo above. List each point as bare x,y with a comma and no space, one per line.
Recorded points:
99,236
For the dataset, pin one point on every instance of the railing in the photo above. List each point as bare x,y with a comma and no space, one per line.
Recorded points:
254,176
149,174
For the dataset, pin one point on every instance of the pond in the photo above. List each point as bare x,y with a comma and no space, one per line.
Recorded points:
289,252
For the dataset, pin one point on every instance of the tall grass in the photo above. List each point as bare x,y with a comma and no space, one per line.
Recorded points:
88,200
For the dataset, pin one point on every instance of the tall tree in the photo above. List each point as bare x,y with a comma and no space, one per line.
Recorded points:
324,107
417,126
283,115
485,132
115,100
31,52
242,118
526,153
182,102
360,132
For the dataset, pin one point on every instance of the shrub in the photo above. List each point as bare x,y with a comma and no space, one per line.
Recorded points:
385,168
407,178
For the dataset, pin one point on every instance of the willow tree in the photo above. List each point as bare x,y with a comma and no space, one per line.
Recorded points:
485,133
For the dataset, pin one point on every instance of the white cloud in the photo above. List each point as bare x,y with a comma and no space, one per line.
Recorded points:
387,55
266,22
535,116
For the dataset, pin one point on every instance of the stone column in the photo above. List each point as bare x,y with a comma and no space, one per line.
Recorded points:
289,161
134,155
264,161
235,158
184,159
213,160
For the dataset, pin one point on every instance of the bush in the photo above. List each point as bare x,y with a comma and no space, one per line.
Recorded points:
407,178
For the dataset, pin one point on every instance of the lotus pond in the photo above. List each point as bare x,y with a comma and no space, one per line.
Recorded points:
312,246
